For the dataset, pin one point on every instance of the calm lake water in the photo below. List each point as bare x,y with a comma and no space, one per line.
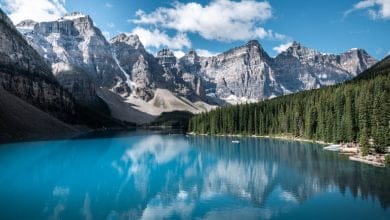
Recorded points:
155,176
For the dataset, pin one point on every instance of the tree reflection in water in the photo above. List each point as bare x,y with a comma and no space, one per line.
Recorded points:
162,176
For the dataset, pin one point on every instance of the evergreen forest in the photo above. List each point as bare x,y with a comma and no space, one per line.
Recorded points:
354,111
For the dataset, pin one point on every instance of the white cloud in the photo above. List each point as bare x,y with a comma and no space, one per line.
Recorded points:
111,24
223,20
282,47
206,53
157,39
179,53
376,9
37,10
108,5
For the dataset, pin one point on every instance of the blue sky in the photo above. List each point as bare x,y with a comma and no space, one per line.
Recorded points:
330,26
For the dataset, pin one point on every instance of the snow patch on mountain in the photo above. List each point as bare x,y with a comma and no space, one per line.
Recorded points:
131,84
73,16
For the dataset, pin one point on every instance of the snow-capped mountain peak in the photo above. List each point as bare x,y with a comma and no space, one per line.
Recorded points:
73,16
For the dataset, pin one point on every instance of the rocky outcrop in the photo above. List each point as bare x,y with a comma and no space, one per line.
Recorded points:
73,44
16,54
48,96
136,64
78,83
354,61
24,73
172,76
33,104
145,73
244,71
300,68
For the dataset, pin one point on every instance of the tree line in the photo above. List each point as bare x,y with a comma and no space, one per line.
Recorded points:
355,111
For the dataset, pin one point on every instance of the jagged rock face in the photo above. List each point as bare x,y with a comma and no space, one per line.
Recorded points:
146,73
47,96
136,64
240,72
25,74
167,60
300,68
195,84
355,61
73,40
190,67
141,73
16,54
77,82
178,80
247,73
190,62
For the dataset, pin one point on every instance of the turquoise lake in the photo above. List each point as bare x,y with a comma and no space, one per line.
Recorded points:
159,176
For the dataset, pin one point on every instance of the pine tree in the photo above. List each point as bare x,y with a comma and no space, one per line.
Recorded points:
365,147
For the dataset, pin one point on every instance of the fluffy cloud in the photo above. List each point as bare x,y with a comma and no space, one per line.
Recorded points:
377,9
157,39
37,10
108,5
206,53
283,47
223,20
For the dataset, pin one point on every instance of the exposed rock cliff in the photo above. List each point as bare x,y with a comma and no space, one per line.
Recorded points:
247,73
300,68
73,44
25,74
136,64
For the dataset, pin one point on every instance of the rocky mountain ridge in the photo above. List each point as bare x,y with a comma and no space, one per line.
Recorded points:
83,61
248,73
73,46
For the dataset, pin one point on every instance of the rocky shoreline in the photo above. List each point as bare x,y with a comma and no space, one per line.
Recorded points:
355,154
350,149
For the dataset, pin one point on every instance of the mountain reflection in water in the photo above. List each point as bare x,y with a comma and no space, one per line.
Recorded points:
173,176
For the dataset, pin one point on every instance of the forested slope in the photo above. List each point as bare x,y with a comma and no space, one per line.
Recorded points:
355,111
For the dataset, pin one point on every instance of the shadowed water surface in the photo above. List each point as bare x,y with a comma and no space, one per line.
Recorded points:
154,176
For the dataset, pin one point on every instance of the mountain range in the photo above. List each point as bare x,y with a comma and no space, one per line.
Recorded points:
70,63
